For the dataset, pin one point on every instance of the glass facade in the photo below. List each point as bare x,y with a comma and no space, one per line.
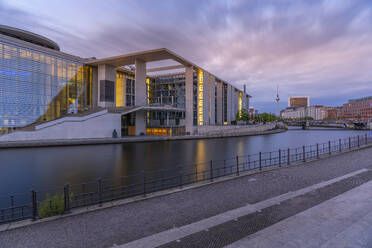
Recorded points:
125,89
168,90
130,92
36,86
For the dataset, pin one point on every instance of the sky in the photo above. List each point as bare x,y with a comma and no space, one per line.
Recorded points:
316,48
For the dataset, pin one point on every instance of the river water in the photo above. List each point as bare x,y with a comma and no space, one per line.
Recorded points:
23,169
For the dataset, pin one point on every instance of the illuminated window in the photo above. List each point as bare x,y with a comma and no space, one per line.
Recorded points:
200,97
120,89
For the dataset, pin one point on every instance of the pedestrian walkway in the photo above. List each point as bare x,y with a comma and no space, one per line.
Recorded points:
224,228
344,221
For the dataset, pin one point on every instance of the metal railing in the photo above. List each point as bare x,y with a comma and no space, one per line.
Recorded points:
44,203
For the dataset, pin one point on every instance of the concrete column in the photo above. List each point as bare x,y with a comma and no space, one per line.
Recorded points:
212,101
141,96
140,122
219,103
140,85
95,87
236,102
229,103
189,99
106,85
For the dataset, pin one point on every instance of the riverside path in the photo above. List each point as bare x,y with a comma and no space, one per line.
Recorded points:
287,207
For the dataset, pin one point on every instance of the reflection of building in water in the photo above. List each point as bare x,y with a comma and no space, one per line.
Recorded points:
202,165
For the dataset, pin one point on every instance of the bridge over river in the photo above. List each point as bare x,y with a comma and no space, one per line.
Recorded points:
305,124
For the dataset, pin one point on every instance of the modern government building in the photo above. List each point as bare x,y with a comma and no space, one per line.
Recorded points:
45,92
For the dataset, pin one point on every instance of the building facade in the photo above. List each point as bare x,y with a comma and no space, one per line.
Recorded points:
316,112
333,113
358,109
39,83
293,113
299,101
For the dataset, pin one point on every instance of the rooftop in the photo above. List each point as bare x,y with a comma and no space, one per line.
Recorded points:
28,37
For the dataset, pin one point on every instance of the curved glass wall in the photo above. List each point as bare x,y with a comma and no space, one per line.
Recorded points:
36,86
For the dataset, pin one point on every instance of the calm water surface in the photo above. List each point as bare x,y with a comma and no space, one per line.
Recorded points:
41,168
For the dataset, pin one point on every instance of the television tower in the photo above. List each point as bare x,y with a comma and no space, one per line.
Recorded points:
277,101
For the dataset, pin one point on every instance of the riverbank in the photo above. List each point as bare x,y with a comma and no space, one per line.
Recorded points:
197,214
139,139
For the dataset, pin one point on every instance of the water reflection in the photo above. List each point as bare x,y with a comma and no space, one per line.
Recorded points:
24,169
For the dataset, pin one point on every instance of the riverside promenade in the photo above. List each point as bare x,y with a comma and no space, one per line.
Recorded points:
323,203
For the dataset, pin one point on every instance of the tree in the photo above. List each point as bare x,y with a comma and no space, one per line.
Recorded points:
266,117
242,115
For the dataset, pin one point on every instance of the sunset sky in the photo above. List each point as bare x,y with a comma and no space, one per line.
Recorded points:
318,48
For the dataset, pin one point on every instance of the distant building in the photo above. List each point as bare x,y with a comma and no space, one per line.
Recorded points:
293,113
333,113
358,109
299,101
252,112
317,112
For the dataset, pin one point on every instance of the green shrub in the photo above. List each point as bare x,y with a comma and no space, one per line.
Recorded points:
52,205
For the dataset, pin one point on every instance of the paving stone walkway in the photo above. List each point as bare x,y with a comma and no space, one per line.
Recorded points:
343,222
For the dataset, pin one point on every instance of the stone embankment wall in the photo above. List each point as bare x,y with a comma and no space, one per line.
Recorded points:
235,130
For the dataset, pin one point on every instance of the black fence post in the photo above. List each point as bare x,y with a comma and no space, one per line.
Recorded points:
211,169
237,165
181,178
260,160
100,192
144,183
317,150
349,143
339,145
34,205
66,194
358,141
304,153
289,157
280,157
329,147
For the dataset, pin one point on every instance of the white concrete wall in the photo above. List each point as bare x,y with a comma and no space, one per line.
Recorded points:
101,126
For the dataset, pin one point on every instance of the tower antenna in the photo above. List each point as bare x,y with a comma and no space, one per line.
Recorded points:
277,101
